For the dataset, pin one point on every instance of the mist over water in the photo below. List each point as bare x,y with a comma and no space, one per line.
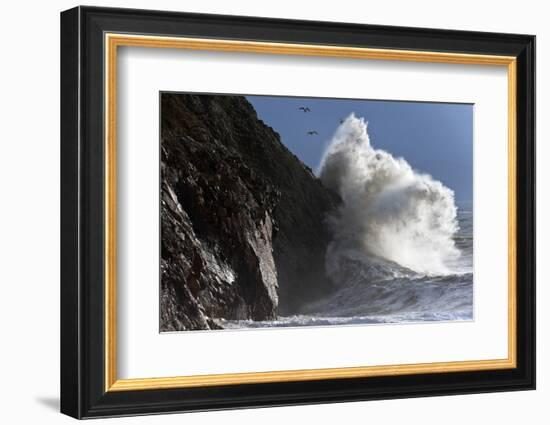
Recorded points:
389,211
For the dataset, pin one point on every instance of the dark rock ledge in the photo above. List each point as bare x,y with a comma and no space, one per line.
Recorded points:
242,219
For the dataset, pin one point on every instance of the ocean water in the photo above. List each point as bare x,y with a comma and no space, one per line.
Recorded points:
398,295
401,249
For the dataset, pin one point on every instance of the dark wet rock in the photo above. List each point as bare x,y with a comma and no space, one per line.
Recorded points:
242,219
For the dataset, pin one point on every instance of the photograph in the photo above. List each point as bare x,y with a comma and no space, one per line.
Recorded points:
280,211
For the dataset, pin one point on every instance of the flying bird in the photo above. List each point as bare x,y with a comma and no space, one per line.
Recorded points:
312,133
304,108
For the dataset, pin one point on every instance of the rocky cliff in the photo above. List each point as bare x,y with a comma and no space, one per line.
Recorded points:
242,219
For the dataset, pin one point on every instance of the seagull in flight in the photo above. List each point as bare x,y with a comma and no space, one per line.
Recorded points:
312,133
304,108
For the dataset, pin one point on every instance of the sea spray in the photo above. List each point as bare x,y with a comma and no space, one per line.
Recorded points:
392,219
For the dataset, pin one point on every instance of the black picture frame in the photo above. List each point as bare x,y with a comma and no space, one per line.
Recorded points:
83,392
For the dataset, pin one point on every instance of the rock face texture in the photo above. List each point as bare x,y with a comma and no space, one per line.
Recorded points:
242,219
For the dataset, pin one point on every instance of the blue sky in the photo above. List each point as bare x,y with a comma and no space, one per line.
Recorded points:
435,138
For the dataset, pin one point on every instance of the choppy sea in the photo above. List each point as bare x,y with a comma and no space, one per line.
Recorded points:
399,296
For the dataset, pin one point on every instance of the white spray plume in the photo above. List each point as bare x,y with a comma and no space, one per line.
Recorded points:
389,210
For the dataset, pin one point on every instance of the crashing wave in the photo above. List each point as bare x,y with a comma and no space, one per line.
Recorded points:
393,219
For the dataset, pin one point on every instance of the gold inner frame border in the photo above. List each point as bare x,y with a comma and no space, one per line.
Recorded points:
111,43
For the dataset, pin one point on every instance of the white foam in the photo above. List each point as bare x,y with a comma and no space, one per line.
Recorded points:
389,210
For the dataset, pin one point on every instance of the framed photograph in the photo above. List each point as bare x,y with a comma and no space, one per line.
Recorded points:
261,212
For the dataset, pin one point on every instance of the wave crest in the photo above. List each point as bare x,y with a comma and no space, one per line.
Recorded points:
389,211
